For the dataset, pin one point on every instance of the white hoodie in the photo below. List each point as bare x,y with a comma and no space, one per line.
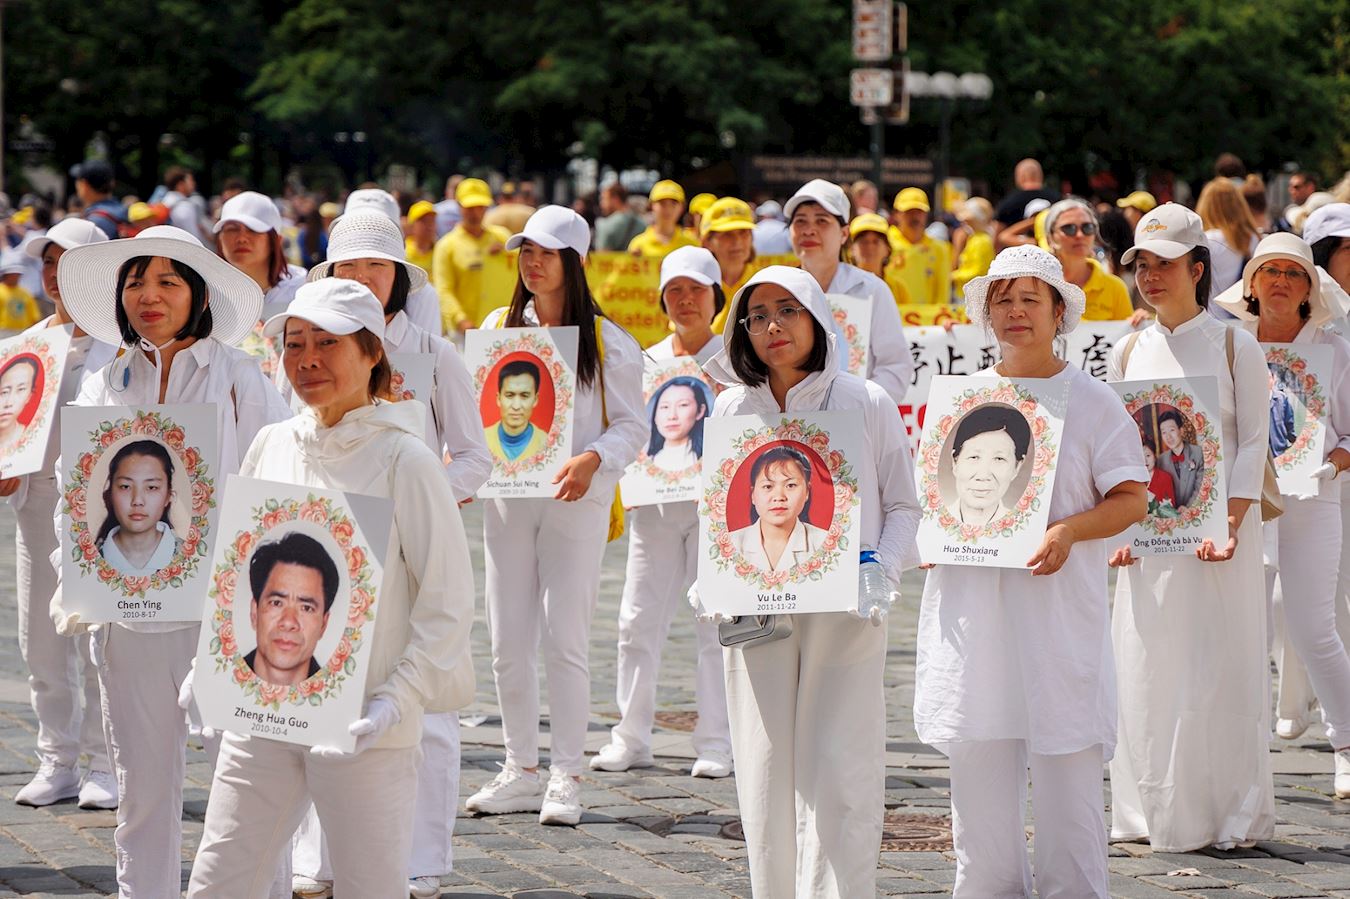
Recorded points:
419,656
890,505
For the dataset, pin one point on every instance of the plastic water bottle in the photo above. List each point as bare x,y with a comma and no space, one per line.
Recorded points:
874,587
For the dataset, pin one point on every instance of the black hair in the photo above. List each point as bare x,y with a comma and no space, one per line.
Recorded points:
781,454
154,450
994,417
1200,253
1149,444
1116,236
1172,415
294,548
517,367
1324,249
658,442
746,363
579,308
199,314
719,300
24,359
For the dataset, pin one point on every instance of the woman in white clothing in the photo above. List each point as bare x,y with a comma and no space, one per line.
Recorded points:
663,560
818,226
65,731
424,305
543,555
177,309
348,438
1282,299
248,235
1014,667
811,803
1193,766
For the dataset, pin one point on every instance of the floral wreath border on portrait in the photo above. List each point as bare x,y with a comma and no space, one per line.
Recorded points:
648,466
396,388
1043,459
224,649
857,350
1313,401
75,495
1207,440
714,506
562,397
263,348
35,345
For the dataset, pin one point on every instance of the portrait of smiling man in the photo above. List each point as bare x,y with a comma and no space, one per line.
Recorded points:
294,582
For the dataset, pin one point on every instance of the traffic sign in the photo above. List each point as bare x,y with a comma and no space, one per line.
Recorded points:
872,28
871,87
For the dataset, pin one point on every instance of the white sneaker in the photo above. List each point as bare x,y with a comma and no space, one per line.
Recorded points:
562,802
1293,728
1343,774
617,757
513,790
99,790
424,887
309,888
52,783
713,764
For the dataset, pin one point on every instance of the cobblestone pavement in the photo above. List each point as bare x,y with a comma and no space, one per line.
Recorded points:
657,832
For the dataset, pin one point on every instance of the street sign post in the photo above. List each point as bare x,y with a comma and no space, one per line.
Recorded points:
871,87
872,30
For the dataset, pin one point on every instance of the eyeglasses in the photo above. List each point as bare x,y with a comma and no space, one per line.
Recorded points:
1293,275
1087,228
785,317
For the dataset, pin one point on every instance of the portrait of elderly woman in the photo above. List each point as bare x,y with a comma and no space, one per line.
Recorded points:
989,446
779,535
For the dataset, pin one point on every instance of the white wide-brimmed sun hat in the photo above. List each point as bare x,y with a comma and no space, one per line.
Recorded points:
87,276
1025,262
1326,299
367,234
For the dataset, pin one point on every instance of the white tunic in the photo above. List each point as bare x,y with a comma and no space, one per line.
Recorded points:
889,362
1003,655
1193,767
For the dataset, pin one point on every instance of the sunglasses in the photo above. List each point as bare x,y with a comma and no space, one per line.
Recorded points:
1087,229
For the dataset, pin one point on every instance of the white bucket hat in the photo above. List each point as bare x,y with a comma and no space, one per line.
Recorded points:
368,235
1326,304
690,262
337,305
1025,262
87,276
1170,230
67,234
555,227
251,209
373,199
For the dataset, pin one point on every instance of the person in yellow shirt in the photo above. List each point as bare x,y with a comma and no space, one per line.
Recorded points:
1071,229
18,308
697,207
421,232
869,248
976,216
664,234
922,263
457,260
727,229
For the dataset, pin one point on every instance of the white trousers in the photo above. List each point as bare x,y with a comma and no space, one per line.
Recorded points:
989,800
66,730
1309,539
433,815
259,795
662,563
140,674
543,579
808,724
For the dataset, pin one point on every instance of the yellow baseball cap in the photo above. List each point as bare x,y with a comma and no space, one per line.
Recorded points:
911,198
868,221
666,190
473,192
701,202
727,214
419,209
139,212
1140,199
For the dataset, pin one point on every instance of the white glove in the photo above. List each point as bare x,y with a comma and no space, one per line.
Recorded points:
381,714
187,701
702,614
1327,472
71,625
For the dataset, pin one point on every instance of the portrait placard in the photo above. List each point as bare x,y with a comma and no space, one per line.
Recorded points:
679,400
413,377
139,496
31,369
1182,436
986,469
291,604
1300,382
779,518
525,379
853,319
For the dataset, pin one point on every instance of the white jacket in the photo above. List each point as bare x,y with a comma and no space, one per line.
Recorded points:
890,505
419,655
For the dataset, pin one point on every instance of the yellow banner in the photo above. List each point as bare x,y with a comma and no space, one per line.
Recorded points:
625,286
915,314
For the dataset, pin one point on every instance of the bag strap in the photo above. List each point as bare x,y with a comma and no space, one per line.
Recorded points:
600,353
1229,351
1125,351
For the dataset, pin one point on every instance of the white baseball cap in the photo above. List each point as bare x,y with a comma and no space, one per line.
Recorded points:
555,227
67,233
251,209
366,234
1171,230
12,262
690,262
1026,262
829,195
337,305
1331,220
